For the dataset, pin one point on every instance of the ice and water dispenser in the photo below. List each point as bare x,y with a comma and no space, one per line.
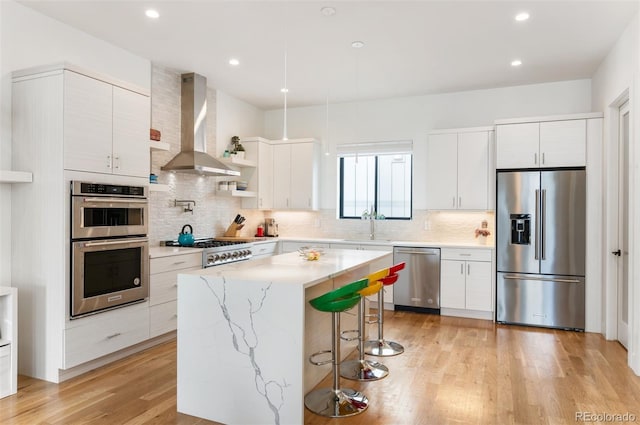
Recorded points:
520,229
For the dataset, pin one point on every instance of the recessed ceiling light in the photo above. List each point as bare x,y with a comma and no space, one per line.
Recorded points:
357,44
151,13
234,62
328,11
522,16
516,62
284,90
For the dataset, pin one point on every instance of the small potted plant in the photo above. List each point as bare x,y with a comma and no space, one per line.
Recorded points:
238,149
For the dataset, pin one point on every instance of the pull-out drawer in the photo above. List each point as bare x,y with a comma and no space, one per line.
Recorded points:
164,286
465,254
105,333
163,318
176,262
264,249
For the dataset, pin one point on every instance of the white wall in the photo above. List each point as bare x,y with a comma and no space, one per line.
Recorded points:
616,78
235,118
414,117
28,39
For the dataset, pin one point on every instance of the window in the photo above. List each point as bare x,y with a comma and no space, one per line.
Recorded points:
381,180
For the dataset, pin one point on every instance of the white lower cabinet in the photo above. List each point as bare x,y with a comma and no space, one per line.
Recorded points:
466,283
91,337
163,294
289,246
5,371
264,249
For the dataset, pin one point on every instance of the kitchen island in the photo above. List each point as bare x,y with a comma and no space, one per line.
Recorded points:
246,330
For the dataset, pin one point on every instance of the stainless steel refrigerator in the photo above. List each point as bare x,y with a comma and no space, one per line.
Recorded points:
540,247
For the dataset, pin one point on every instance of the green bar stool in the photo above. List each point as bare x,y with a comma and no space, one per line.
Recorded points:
336,402
380,347
361,369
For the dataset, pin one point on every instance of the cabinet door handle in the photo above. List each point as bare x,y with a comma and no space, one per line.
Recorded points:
535,158
460,202
108,161
542,158
179,262
453,203
116,162
468,268
260,202
113,335
461,268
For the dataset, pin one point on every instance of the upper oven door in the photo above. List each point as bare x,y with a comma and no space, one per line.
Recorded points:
104,216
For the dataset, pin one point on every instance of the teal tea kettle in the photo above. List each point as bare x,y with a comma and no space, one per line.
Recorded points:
184,238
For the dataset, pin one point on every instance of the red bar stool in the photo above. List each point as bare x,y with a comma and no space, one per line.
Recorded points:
336,402
361,369
380,347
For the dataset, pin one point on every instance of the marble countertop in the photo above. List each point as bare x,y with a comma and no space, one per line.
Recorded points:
292,269
166,251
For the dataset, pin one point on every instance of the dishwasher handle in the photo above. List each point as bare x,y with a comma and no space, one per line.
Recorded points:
408,251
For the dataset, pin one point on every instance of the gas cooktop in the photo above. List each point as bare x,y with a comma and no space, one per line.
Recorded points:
204,243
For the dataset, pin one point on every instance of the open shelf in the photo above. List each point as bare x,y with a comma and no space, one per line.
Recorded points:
237,193
158,146
7,176
237,162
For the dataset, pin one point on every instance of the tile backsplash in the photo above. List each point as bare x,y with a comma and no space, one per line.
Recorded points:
437,226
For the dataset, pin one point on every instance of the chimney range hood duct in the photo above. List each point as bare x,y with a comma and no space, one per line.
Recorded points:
193,157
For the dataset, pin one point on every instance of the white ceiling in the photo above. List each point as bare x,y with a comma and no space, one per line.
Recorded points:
411,48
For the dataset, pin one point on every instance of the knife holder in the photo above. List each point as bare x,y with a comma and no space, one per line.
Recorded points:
233,229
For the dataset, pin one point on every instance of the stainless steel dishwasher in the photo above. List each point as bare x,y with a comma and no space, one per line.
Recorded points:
418,286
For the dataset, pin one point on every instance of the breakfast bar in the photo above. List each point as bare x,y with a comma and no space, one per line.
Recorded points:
245,331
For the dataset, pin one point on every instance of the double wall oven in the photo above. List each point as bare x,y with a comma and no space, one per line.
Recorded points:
109,246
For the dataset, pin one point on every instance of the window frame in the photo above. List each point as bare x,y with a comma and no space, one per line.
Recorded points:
341,215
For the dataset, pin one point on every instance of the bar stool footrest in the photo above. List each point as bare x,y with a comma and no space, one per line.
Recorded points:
322,362
350,331
336,404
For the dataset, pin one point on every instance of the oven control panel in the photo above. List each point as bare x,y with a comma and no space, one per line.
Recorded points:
84,188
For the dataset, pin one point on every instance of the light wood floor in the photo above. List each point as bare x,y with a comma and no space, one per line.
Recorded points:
454,371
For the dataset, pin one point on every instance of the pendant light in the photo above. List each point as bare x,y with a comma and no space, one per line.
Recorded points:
285,90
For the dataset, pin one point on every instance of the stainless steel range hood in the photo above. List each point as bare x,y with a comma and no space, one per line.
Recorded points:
193,157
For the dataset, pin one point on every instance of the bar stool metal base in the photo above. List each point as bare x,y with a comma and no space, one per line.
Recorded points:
363,370
336,404
382,348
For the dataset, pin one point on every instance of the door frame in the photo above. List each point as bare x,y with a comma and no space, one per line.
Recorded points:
619,268
610,219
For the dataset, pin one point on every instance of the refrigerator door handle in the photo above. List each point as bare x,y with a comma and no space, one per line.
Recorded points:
543,216
537,231
544,279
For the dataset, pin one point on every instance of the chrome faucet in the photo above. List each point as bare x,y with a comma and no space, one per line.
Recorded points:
372,217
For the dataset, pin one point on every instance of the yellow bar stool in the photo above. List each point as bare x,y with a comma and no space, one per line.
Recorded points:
381,347
336,402
361,369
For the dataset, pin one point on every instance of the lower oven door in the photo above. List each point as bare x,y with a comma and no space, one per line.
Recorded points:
108,273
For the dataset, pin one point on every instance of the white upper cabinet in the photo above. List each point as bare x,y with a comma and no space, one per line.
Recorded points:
517,145
473,170
106,128
295,174
546,144
261,181
88,131
563,143
131,123
458,170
